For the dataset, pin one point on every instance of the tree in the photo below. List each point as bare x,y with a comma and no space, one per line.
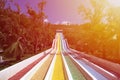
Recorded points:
113,19
21,34
95,11
38,21
42,15
15,50
2,4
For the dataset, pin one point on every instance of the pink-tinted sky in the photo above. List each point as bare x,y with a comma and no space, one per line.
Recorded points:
56,10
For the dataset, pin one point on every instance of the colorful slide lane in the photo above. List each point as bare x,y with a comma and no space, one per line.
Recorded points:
41,72
58,73
75,71
76,74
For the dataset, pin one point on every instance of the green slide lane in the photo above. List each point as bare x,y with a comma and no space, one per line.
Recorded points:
76,74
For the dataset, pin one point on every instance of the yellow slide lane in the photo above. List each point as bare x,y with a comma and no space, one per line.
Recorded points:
58,73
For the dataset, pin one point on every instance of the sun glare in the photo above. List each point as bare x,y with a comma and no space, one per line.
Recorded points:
115,3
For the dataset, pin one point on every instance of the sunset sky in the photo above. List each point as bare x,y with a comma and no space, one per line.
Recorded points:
57,11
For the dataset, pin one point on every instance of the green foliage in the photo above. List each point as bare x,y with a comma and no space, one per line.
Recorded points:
21,34
15,50
102,38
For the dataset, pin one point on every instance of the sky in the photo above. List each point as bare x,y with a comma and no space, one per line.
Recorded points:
58,11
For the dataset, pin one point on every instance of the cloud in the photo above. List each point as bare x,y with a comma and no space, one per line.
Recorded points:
46,20
65,22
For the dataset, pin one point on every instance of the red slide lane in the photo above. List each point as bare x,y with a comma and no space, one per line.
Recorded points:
21,73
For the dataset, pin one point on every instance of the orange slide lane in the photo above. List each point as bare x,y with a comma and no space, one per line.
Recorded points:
41,72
